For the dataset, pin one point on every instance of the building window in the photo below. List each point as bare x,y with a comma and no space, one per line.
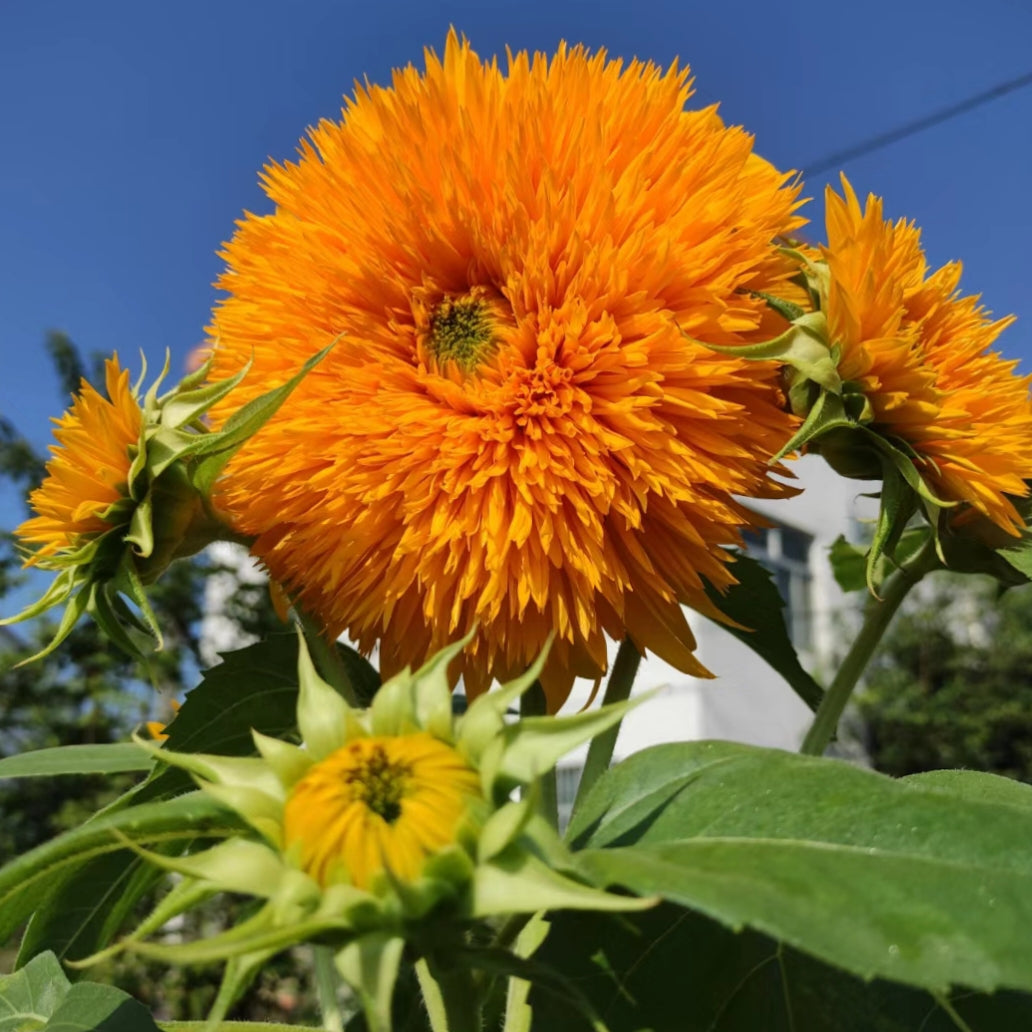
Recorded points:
785,551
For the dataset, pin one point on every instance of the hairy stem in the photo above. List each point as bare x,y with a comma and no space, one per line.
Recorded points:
618,689
457,991
534,704
876,621
326,982
327,659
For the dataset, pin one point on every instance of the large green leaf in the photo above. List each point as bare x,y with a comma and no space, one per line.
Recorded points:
252,688
39,998
76,759
671,970
756,605
29,996
85,912
29,880
84,903
89,1007
922,885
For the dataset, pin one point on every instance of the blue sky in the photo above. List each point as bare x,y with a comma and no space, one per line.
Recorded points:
133,134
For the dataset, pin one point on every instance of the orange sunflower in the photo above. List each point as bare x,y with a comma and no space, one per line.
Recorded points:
920,352
517,429
89,470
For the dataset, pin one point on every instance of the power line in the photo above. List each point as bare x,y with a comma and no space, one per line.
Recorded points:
839,158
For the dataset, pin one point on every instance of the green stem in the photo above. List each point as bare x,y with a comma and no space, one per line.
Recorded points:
327,659
326,983
432,998
876,621
534,704
458,992
618,689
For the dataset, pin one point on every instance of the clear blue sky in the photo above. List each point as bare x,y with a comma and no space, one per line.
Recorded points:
132,135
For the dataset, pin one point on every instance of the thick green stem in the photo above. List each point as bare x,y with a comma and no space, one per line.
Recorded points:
326,983
876,621
618,689
327,659
432,998
458,992
534,704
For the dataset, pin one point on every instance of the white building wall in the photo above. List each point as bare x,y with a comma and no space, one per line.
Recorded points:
746,701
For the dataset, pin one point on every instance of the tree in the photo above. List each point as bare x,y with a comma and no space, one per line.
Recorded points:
952,685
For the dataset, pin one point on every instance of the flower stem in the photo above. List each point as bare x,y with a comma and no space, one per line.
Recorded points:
326,989
327,659
876,621
618,689
534,704
455,988
432,998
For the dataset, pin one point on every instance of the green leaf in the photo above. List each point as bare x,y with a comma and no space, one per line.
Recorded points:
848,564
883,878
755,604
671,970
76,759
245,422
849,561
39,998
82,913
30,995
253,688
898,505
87,898
975,785
1011,565
803,346
31,879
370,966
89,1007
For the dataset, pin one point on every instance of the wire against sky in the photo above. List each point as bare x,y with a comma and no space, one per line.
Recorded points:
839,158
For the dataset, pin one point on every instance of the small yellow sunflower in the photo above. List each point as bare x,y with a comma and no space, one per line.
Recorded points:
919,352
520,428
88,473
395,800
128,491
389,825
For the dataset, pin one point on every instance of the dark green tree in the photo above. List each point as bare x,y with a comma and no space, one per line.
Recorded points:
952,684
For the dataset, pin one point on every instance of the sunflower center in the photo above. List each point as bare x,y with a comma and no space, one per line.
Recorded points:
461,331
379,782
384,801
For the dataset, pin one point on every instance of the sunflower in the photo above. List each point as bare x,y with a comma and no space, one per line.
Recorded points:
519,428
919,352
88,473
381,799
395,824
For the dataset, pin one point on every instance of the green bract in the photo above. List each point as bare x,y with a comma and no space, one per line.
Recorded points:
165,511
507,859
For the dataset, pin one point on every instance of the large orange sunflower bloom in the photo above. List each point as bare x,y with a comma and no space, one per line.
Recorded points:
514,430
89,469
919,350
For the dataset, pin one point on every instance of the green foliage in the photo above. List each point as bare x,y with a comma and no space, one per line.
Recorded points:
39,998
674,970
930,886
755,594
76,759
952,684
